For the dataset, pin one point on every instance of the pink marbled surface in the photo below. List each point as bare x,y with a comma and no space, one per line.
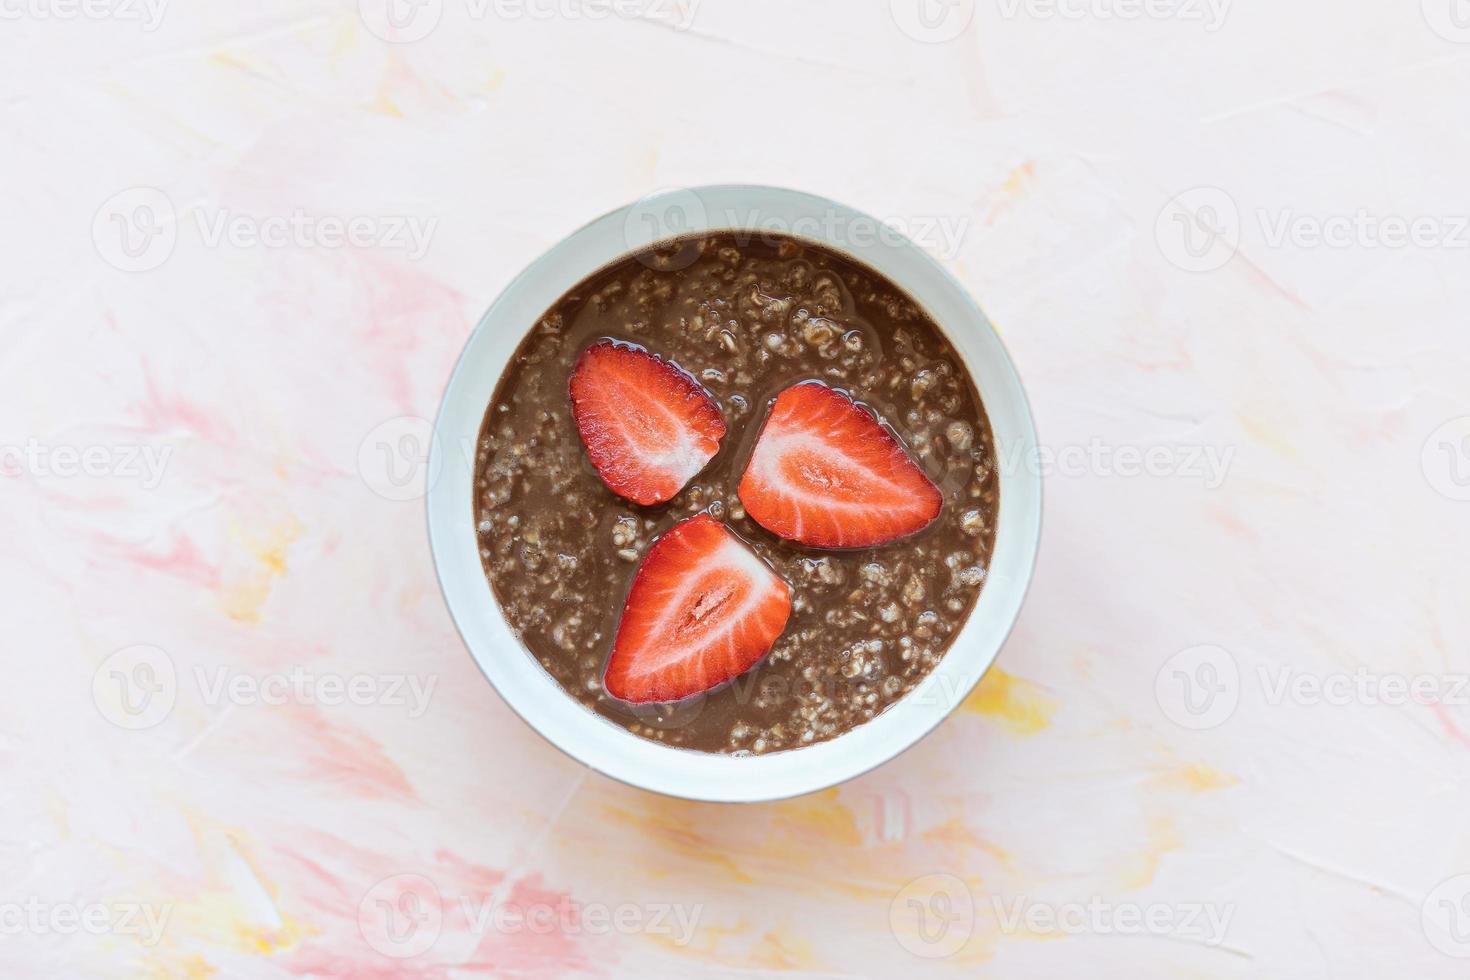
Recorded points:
1329,836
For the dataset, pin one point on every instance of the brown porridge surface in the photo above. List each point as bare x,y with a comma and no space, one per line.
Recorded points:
747,317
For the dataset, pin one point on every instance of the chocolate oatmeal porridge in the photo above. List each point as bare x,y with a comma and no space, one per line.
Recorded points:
733,334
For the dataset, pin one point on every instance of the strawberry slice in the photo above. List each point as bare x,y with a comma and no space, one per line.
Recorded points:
647,425
703,609
827,474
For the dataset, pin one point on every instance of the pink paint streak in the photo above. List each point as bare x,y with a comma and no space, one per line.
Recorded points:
163,412
346,760
404,305
1447,721
182,560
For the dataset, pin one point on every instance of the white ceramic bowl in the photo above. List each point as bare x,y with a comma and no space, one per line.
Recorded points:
520,679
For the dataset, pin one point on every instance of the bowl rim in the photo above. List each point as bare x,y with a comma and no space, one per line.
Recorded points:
520,679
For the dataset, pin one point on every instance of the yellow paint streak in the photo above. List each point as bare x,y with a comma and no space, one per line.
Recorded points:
788,839
264,938
1267,435
956,834
383,105
346,35
1019,705
1197,778
244,597
780,950
237,907
732,947
1015,186
673,823
1019,178
1041,937
705,943
57,811
1144,866
223,59
165,966
822,817
197,968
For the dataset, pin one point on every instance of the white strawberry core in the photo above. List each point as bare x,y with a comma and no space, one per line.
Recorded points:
680,461
709,604
651,435
792,462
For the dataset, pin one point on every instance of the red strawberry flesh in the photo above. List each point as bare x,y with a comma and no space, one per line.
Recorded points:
826,473
703,610
648,427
